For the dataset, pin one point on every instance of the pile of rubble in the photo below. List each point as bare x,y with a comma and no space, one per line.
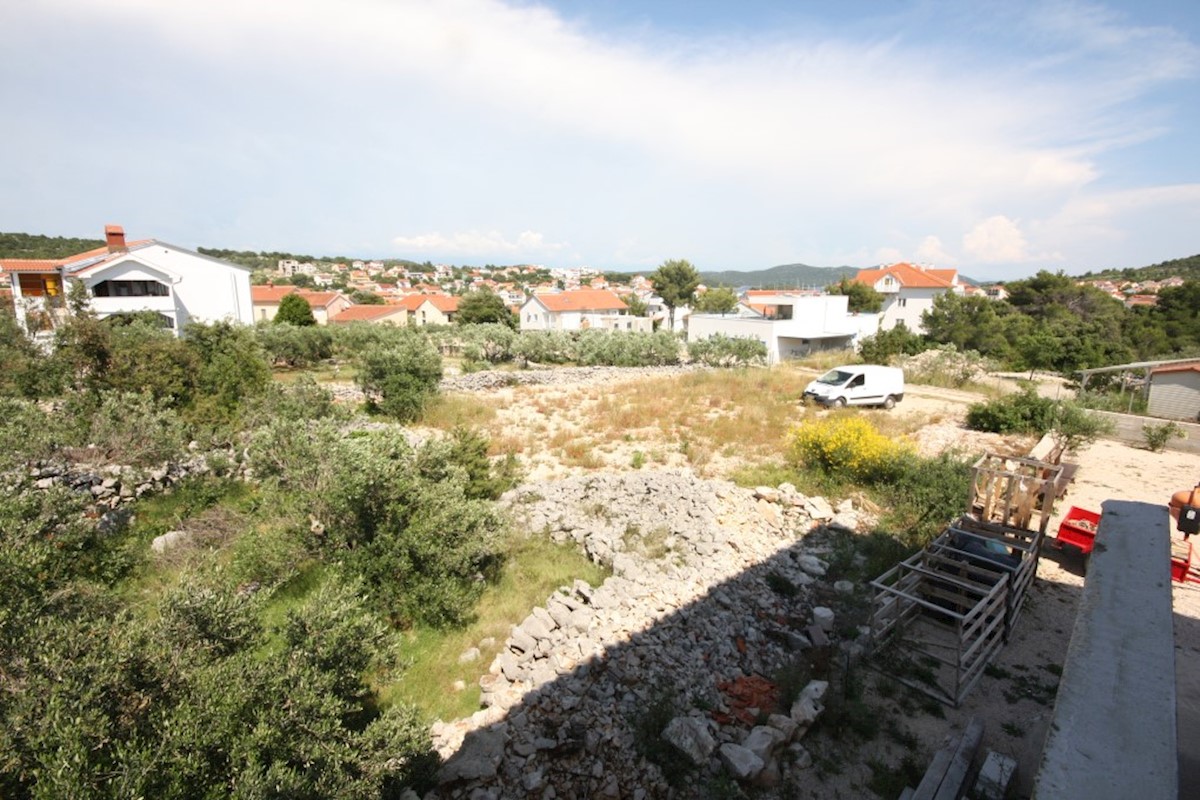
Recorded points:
713,587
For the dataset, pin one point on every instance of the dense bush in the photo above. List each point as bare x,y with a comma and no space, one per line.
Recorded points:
544,347
408,522
727,351
294,310
627,349
1024,411
847,447
174,707
883,346
232,369
399,378
294,345
490,343
135,429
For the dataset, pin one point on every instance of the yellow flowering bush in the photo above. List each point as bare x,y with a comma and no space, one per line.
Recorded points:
846,446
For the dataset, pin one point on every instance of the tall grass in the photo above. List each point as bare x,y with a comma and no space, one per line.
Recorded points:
534,570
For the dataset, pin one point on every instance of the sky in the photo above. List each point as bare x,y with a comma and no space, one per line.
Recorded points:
997,138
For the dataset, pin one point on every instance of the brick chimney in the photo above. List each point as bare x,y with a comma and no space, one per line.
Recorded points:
114,236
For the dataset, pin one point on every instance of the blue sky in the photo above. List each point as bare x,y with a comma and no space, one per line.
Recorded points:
997,138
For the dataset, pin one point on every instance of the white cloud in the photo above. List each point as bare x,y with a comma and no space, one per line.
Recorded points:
888,255
931,251
631,145
478,244
996,240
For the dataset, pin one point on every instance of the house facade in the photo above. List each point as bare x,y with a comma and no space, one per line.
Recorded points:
435,309
324,305
908,291
575,310
802,324
1175,392
178,285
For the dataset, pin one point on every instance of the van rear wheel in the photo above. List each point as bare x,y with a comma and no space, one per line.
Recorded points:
889,402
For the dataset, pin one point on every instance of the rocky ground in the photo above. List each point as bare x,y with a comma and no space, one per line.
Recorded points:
699,667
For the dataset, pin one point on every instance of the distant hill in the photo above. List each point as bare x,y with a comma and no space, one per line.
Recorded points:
1186,268
784,276
33,245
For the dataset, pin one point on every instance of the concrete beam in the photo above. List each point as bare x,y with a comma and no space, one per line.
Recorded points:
1113,729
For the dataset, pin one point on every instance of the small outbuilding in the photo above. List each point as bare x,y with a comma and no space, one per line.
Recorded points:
1175,392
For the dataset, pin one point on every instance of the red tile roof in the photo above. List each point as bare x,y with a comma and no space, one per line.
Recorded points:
910,276
267,295
367,313
411,301
1190,367
582,300
443,302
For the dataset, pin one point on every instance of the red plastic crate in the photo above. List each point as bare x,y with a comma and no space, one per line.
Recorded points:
1069,532
1181,563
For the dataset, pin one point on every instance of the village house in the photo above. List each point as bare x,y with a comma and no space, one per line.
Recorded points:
802,323
575,310
394,314
325,305
121,277
908,291
435,309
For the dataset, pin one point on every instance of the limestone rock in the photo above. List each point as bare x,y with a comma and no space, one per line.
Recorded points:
741,763
691,737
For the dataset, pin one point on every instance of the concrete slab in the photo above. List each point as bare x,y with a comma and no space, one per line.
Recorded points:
1113,730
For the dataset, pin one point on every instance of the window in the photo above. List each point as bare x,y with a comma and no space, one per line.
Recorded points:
130,289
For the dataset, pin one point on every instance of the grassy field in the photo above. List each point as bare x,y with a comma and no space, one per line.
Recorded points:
535,569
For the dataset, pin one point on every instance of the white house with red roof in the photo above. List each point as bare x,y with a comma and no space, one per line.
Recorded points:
576,310
435,309
131,277
908,291
324,305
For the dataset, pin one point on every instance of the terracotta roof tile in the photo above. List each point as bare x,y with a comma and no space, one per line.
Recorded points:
909,276
366,313
582,300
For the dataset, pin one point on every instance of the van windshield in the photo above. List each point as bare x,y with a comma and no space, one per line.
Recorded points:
835,377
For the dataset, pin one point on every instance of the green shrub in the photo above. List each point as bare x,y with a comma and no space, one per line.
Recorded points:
1159,435
1024,411
881,347
627,349
401,377
217,622
490,343
544,347
294,310
232,368
135,429
727,351
294,345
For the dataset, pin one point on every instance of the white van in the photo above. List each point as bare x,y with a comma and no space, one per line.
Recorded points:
859,385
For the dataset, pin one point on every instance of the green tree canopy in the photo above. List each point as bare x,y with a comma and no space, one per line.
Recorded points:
365,298
295,310
720,300
637,306
481,306
863,298
675,281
